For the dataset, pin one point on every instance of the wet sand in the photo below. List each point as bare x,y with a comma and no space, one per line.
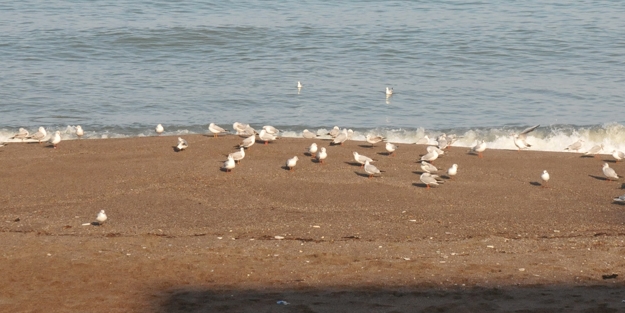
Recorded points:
184,236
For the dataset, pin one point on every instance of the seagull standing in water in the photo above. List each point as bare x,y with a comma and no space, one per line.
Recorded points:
39,135
21,134
389,91
79,131
159,129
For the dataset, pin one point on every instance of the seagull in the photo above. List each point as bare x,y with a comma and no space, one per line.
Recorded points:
246,132
2,144
99,220
39,135
430,179
620,199
609,172
238,155
312,150
451,139
371,169
350,134
430,156
265,136
340,138
545,178
519,140
308,134
452,171
361,158
239,127
575,146
479,148
389,91
290,163
182,144
618,155
434,148
248,142
79,131
21,134
374,139
159,129
322,155
216,130
229,164
299,85
594,150
334,132
56,138
423,141
427,167
391,148
270,129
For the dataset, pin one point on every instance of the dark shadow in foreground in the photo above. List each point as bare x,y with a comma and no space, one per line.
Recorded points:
399,299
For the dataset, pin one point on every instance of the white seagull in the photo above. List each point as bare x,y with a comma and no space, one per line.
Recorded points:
182,144
334,131
159,129
229,164
391,148
312,150
371,169
270,129
594,150
479,148
374,139
55,139
79,131
248,142
299,85
322,155
361,158
609,172
99,220
429,179
545,177
238,155
216,130
290,163
430,156
340,138
452,171
308,134
39,135
519,140
389,91
265,136
618,155
21,134
428,168
435,148
575,146
423,141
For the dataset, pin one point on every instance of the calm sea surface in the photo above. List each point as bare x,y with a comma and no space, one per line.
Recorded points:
121,67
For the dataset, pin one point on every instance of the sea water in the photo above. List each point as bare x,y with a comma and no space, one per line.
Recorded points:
478,69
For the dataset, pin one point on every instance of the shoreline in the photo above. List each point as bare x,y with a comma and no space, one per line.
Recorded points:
180,231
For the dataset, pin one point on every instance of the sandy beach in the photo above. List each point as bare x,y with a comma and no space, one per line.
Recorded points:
184,236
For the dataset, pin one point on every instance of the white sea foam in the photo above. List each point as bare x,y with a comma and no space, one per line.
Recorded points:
549,138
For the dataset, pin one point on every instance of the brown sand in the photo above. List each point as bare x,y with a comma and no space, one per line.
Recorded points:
183,236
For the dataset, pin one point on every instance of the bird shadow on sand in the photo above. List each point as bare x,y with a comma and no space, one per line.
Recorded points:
599,178
366,146
361,174
384,153
609,161
535,183
418,172
308,154
354,164
421,185
284,167
588,156
176,149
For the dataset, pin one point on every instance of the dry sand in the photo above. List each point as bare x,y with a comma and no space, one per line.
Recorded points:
184,236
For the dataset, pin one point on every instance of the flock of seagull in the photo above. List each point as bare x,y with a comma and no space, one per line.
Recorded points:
339,136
